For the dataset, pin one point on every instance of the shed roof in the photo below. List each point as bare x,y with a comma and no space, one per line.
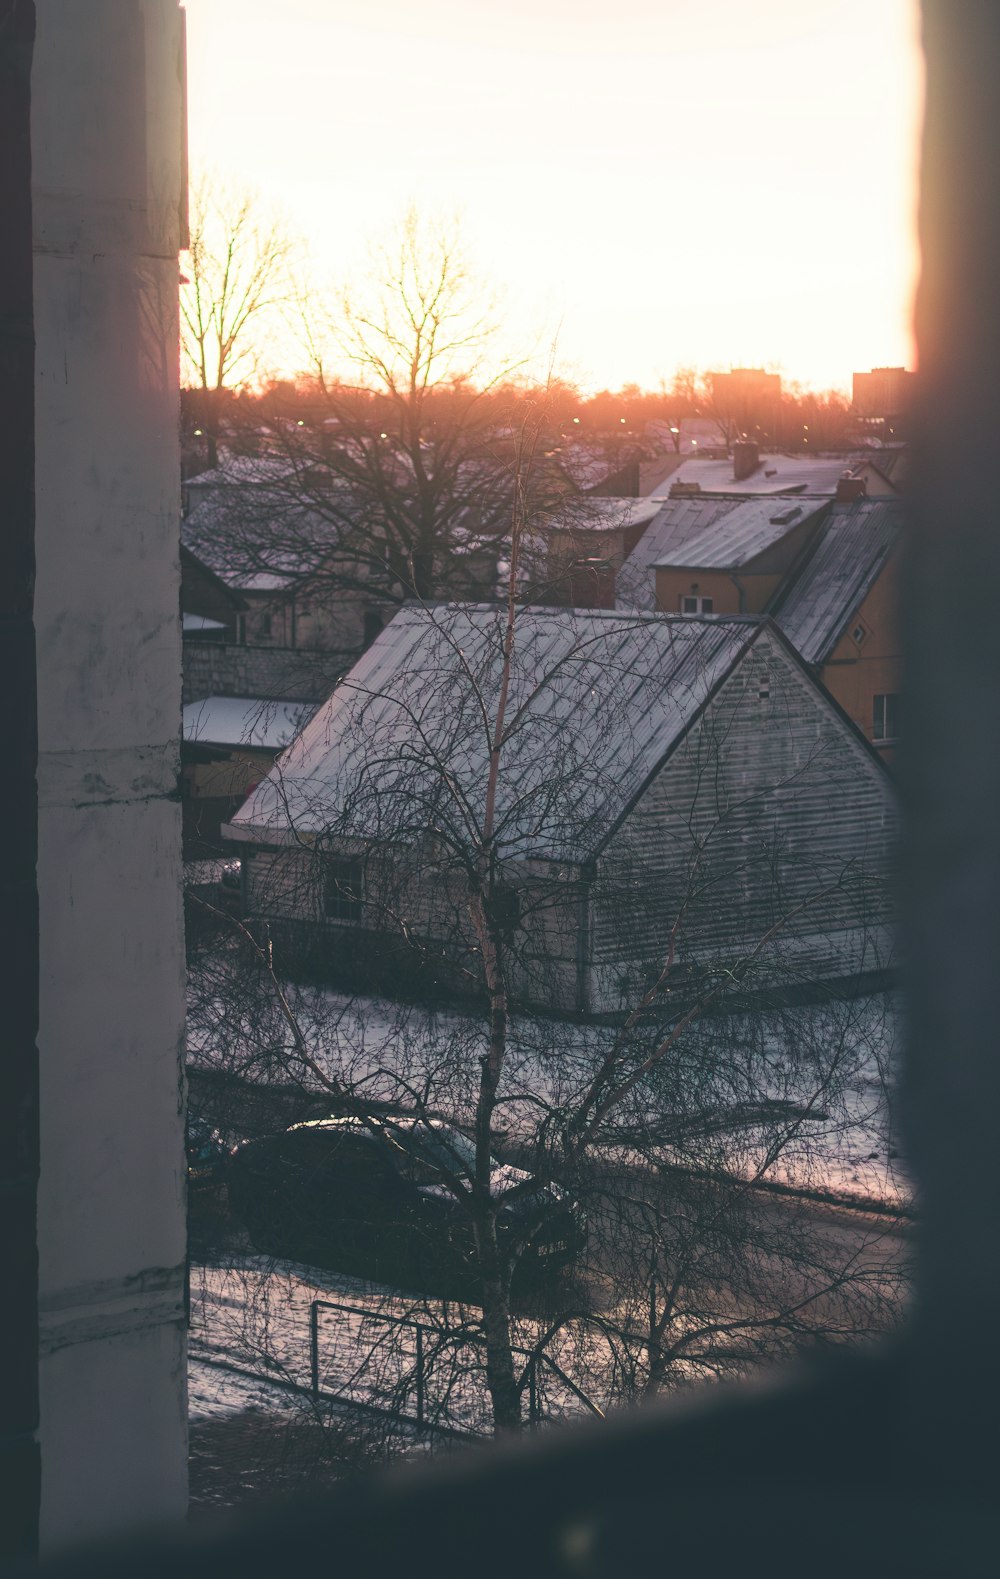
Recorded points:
741,534
852,547
244,721
403,742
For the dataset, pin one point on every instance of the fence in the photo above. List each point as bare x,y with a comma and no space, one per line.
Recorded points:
430,1377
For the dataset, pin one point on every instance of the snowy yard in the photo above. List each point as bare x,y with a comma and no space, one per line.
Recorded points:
397,1054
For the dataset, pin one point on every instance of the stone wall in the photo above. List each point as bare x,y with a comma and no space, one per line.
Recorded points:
220,669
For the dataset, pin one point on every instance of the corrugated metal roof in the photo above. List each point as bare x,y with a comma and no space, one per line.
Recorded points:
403,743
677,522
854,543
244,721
742,533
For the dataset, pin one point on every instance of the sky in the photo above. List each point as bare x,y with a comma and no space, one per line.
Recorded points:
645,184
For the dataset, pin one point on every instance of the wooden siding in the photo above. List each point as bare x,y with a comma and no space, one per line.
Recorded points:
425,899
768,809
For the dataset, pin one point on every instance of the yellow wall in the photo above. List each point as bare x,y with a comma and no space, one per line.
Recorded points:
856,674
235,776
672,585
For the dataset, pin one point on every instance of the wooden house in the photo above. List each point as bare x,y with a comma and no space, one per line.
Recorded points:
667,786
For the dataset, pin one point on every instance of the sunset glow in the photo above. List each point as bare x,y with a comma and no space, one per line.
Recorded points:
659,183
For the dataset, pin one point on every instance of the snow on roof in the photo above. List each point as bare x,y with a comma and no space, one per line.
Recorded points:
244,721
743,532
403,742
242,471
200,622
853,545
603,515
256,539
807,474
676,523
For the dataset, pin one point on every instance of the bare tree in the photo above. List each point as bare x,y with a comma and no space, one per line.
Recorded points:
471,825
393,471
239,263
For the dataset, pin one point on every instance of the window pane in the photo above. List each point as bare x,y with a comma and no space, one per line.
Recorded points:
343,889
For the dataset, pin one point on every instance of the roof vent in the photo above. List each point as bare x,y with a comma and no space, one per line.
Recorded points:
786,517
684,490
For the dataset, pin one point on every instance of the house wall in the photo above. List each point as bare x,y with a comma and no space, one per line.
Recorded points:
672,585
785,805
858,672
106,135
405,891
321,619
204,594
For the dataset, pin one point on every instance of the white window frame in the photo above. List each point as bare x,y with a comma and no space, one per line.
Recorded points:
880,717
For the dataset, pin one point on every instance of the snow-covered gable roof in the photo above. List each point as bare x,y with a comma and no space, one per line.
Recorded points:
853,545
741,534
403,744
244,721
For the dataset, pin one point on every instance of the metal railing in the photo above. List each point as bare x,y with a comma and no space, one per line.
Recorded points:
427,1338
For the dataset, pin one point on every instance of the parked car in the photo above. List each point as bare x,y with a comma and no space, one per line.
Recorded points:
377,1196
207,1154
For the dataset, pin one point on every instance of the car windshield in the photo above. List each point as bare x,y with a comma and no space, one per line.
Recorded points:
443,1148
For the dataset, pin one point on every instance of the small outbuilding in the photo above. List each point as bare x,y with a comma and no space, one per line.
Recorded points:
663,791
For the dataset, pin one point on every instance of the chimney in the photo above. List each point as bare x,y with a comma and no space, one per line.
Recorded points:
849,488
746,459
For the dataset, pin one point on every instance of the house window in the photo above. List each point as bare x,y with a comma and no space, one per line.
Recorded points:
343,888
373,626
265,623
690,604
859,633
885,717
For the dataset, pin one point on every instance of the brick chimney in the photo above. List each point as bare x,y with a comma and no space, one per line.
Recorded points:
746,459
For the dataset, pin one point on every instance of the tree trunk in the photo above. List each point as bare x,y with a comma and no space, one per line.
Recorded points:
500,1378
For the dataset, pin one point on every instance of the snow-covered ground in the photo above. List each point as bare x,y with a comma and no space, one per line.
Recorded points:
820,1077
250,1348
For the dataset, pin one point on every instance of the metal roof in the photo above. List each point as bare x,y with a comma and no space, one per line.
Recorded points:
244,721
745,531
677,522
597,701
853,545
809,474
